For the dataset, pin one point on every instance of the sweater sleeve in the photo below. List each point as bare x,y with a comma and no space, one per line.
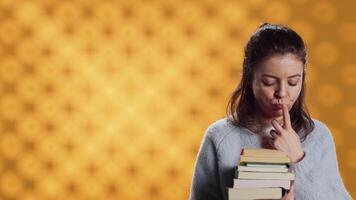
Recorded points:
317,174
205,182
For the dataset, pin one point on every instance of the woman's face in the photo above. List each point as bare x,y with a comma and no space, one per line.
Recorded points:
277,81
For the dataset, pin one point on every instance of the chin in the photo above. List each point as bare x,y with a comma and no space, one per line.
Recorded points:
274,113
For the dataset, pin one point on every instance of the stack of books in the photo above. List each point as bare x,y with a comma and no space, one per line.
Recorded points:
261,174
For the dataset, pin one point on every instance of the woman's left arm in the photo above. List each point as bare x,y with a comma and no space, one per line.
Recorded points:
315,164
318,172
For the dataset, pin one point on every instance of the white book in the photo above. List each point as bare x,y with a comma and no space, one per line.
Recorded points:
254,193
266,165
242,183
266,175
261,169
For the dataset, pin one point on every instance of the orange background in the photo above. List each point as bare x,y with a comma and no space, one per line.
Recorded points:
110,99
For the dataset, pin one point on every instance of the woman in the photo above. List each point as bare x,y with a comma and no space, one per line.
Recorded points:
267,111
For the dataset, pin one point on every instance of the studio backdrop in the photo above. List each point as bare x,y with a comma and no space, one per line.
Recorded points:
110,99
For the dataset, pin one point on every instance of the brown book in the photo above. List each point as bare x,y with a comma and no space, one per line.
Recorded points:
260,152
267,160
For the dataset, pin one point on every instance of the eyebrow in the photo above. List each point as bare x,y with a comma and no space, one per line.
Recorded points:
271,76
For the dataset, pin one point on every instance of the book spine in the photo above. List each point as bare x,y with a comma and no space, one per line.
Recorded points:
265,176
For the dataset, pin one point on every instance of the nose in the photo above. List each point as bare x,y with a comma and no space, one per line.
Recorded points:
281,92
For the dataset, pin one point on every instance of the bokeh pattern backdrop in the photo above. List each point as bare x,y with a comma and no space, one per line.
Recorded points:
110,99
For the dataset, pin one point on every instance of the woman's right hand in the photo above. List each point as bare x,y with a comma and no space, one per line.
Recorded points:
290,194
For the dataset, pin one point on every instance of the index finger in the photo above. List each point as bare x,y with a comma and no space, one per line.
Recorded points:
286,117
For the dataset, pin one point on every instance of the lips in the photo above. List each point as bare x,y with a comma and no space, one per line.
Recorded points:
279,101
277,106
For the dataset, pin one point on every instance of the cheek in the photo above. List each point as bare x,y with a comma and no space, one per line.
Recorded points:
263,93
268,92
294,94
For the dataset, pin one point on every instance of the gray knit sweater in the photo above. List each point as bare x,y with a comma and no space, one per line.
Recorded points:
317,174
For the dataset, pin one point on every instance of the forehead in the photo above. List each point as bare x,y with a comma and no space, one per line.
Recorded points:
281,65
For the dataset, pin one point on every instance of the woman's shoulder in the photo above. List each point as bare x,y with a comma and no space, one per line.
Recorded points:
219,129
321,130
319,125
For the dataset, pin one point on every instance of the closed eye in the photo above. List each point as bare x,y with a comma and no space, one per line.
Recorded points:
293,82
268,83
